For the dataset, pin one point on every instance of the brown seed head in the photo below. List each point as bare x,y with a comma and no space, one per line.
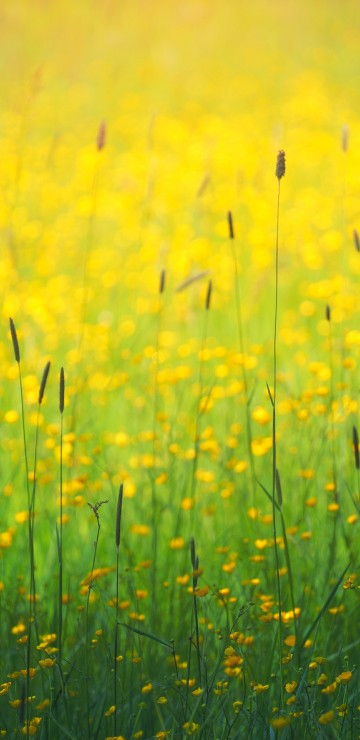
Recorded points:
231,225
101,137
162,282
118,516
356,240
15,341
356,447
280,164
208,295
62,391
192,552
43,382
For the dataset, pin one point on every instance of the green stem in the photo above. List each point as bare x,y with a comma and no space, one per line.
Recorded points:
274,456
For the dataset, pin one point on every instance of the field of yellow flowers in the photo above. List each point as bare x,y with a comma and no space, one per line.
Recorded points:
180,347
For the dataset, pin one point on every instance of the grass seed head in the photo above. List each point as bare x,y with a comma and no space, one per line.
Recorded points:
43,382
356,241
192,552
101,137
280,164
208,295
231,225
356,447
15,341
62,391
162,282
118,516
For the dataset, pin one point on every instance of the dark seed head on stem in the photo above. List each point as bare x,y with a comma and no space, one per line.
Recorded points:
356,448
162,282
208,296
101,137
62,391
328,313
15,341
280,164
192,552
118,516
43,382
356,240
231,225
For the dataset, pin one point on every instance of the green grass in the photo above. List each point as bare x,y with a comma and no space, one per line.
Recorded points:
179,487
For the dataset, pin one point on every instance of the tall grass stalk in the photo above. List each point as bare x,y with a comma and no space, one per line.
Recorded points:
16,348
60,529
331,411
34,484
279,172
195,574
332,402
242,353
200,408
117,544
355,438
90,579
287,552
100,144
154,503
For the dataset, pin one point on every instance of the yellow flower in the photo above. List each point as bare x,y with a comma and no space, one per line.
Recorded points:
327,718
330,689
31,727
110,711
11,416
344,677
177,543
47,663
290,641
278,723
141,529
191,728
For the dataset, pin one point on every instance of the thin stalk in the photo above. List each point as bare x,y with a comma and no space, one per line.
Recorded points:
287,552
195,567
30,617
60,542
332,547
242,352
280,171
90,580
100,144
355,438
154,507
117,543
331,402
200,383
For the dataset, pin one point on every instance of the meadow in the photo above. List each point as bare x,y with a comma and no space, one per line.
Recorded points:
179,343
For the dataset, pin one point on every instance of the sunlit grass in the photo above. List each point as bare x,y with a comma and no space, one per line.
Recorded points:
135,139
